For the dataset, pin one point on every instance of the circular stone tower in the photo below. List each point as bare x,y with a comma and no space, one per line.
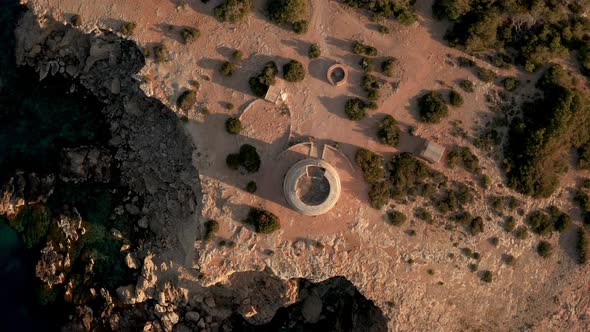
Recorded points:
312,187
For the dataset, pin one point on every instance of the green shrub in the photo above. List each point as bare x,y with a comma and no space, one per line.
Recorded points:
508,259
233,10
379,194
286,11
388,67
396,218
264,222
251,187
402,10
509,224
540,223
233,126
76,20
294,71
259,84
314,51
383,29
187,100
362,49
473,267
189,35
487,276
432,107
161,53
237,55
128,28
388,131
227,68
355,109
582,246
544,249
455,98
494,241
407,172
510,83
486,75
485,181
367,64
300,27
463,157
247,157
371,165
467,85
521,233
562,222
211,227
584,157
233,160
423,214
476,226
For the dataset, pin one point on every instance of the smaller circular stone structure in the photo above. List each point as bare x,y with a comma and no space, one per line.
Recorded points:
337,75
312,186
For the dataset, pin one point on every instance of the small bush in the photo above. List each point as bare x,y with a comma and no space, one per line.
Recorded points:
264,222
383,29
473,267
476,226
367,64
161,53
508,259
388,131
233,126
509,224
314,51
422,214
187,100
247,157
430,272
544,249
286,11
300,27
259,84
463,157
76,20
562,222
486,75
521,233
396,218
494,241
237,55
128,28
388,67
455,98
485,181
432,107
211,227
487,276
294,71
540,223
251,187
582,246
227,69
361,49
379,194
467,86
510,83
371,165
233,10
355,109
189,35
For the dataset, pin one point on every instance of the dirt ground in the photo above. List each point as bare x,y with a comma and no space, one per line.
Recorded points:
355,240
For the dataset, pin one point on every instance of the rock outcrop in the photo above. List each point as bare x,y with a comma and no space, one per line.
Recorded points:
152,151
24,188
